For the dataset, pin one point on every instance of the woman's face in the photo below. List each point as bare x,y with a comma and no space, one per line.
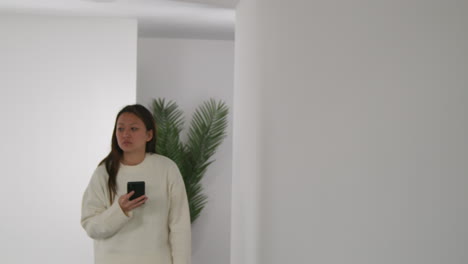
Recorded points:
131,133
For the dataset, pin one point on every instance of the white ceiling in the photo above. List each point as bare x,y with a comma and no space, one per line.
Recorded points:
210,19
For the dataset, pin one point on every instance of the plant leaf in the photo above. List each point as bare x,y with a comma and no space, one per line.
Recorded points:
206,133
169,123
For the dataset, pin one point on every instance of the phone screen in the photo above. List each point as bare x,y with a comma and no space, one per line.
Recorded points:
138,187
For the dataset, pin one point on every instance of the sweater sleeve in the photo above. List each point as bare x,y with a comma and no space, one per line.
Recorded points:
179,219
100,219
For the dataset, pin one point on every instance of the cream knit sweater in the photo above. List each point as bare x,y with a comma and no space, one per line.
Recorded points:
157,232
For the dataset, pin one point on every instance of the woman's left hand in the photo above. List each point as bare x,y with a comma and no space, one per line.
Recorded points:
127,205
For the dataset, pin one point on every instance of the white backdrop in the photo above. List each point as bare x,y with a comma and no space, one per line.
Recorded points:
191,71
62,82
351,132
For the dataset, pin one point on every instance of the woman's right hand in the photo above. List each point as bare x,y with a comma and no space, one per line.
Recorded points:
127,205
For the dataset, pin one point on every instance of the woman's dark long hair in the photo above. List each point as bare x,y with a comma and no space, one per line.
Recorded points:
112,161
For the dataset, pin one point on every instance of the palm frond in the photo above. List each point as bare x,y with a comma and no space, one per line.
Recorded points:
206,133
169,122
196,204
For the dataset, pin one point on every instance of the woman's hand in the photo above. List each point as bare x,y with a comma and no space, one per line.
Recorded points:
127,205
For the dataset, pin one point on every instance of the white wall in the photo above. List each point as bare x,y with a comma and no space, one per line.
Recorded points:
62,82
362,115
247,139
190,72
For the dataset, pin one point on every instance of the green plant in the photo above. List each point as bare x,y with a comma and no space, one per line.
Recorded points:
207,131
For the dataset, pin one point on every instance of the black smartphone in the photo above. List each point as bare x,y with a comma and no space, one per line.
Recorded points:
138,187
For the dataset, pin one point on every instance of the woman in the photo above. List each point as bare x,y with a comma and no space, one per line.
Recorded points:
154,228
